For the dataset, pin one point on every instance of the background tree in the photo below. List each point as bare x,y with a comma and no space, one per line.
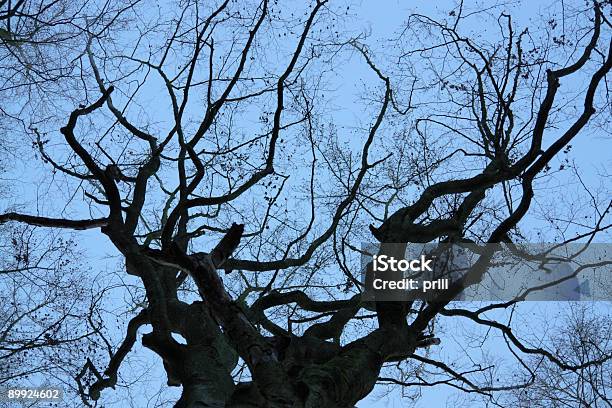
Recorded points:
51,317
584,337
205,144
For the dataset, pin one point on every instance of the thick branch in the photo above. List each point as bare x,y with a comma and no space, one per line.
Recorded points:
53,222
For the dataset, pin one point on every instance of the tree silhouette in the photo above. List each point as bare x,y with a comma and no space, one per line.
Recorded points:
201,142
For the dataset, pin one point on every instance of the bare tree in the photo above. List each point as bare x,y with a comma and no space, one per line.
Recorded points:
205,149
44,319
585,337
41,44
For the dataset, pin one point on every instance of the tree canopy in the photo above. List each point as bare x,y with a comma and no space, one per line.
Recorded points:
235,155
